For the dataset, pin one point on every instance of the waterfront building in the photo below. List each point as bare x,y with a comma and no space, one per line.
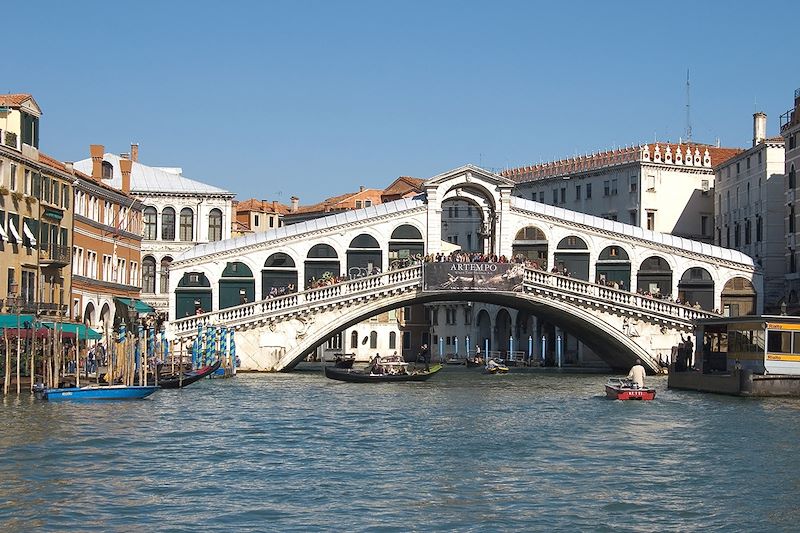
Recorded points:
790,131
35,216
177,214
258,215
106,251
664,187
749,215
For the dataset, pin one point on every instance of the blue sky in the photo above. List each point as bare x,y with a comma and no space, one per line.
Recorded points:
314,98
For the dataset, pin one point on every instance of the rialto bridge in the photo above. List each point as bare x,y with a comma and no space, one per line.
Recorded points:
617,295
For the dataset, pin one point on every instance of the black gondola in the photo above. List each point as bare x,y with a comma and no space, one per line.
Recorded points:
174,381
362,376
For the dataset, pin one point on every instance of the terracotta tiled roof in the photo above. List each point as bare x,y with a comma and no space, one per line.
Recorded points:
403,184
14,99
647,153
261,206
58,165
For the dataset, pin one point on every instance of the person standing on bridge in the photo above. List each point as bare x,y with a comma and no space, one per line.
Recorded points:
637,374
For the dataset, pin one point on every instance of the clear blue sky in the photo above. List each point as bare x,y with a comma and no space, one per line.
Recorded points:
314,98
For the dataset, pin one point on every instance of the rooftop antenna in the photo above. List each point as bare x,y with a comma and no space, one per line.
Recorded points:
688,110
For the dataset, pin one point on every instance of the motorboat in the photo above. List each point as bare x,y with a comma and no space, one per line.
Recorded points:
94,392
625,389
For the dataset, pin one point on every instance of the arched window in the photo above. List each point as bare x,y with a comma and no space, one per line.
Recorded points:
392,340
354,340
149,275
168,224
108,170
150,223
373,340
164,275
215,225
187,225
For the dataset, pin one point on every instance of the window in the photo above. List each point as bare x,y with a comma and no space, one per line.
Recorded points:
727,236
651,220
736,237
434,316
164,275
704,187
392,340
704,225
759,158
367,203
759,228
28,292
271,222
737,167
651,183
606,188
215,225
748,162
791,219
632,215
747,229
12,185
358,204
792,180
577,192
354,340
150,223
187,225
588,191
541,197
614,186
634,184
467,316
134,274
56,193
27,182
108,170
373,340
149,275
555,196
168,224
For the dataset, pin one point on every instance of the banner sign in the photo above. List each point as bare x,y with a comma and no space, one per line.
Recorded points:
472,276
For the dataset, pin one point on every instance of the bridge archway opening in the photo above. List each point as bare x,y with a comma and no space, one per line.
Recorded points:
614,267
279,275
502,330
105,317
322,262
738,297
655,277
697,287
484,322
405,243
531,243
236,286
463,223
572,257
364,256
193,294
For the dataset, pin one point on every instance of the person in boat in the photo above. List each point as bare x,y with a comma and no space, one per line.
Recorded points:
636,375
376,365
425,357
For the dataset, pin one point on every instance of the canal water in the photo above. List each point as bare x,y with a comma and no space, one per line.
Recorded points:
462,452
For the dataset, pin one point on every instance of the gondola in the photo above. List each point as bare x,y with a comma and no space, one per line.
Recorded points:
365,376
175,381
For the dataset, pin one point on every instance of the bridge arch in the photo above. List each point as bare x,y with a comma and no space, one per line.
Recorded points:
484,322
364,255
279,275
236,285
531,242
696,286
738,297
654,276
322,260
572,255
613,266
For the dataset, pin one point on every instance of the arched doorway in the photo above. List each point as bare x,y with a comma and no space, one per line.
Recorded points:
364,256
279,276
614,267
697,287
193,294
236,286
88,314
405,243
106,319
502,328
572,257
738,297
322,261
484,322
524,333
655,277
531,244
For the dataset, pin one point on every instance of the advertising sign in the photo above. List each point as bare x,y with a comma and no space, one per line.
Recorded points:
472,276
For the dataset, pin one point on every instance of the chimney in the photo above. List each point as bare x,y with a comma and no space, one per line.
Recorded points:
69,166
97,151
361,188
125,169
135,152
759,127
274,206
295,201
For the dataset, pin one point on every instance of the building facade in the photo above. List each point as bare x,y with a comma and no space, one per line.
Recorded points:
106,252
177,214
749,211
661,187
35,216
790,131
258,215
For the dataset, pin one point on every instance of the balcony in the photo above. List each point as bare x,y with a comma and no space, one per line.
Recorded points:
9,138
54,255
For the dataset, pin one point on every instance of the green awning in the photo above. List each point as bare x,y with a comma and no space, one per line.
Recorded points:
10,321
141,307
80,330
55,215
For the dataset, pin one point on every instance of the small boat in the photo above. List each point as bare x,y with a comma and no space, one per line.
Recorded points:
344,360
472,363
624,389
367,376
94,392
493,367
175,381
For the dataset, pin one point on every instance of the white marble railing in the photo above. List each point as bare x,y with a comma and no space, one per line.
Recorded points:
411,277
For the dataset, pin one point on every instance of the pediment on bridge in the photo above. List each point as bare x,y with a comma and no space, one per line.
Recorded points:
470,174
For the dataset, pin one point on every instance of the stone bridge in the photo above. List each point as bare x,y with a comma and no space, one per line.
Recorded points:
215,283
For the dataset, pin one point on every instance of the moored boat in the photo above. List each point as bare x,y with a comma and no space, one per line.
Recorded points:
176,381
493,367
624,389
94,392
367,376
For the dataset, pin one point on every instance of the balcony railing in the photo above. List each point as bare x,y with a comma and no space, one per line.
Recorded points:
55,254
29,307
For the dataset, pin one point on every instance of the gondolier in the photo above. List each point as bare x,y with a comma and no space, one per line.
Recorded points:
425,356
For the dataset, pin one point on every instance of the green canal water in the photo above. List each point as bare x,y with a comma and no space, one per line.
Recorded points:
462,452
